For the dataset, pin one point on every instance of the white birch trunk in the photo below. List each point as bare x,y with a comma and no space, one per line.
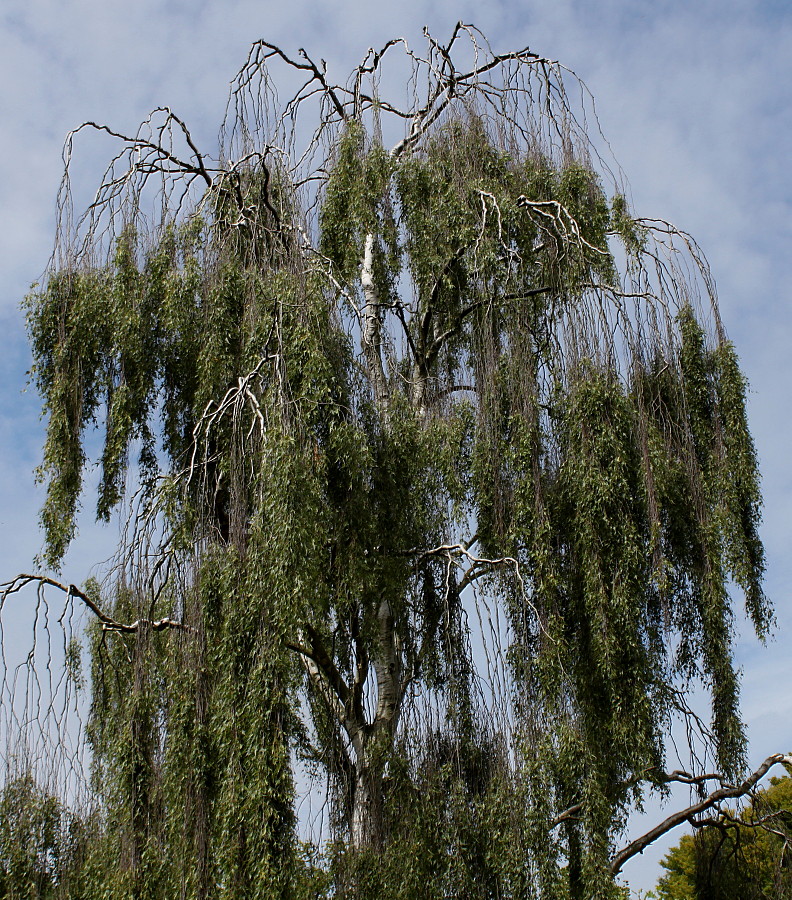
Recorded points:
372,327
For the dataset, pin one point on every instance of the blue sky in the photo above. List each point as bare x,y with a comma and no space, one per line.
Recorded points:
693,96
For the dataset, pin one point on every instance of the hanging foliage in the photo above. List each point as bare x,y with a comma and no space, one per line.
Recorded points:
443,476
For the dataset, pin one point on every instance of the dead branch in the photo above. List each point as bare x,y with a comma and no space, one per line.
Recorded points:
688,814
108,623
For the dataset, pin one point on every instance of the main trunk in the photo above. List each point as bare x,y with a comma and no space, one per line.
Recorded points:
374,741
367,827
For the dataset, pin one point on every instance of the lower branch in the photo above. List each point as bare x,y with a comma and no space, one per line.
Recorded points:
728,792
108,623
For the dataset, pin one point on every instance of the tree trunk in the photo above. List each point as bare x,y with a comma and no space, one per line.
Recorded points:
375,741
367,827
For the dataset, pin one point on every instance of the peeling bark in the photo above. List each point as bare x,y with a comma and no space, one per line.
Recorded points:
372,327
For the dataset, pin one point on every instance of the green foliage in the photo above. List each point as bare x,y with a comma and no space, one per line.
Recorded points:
311,533
47,851
743,856
633,235
31,840
356,203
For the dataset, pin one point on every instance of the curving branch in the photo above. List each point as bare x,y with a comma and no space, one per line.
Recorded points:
108,622
688,814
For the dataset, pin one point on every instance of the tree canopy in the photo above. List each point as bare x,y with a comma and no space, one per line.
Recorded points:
443,472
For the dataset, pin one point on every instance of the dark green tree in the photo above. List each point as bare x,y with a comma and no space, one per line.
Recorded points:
443,472
47,851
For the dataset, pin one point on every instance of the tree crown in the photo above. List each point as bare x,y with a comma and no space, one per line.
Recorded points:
375,387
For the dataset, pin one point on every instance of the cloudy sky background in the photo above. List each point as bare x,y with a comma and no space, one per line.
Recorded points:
693,96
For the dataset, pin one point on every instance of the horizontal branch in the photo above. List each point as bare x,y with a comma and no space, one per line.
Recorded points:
108,623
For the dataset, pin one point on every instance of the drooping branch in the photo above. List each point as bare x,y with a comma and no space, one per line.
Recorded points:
108,623
257,60
161,154
451,83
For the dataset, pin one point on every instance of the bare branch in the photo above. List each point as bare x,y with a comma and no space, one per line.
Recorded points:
108,623
728,792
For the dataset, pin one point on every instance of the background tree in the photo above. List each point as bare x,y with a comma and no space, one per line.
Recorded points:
400,359
46,850
30,840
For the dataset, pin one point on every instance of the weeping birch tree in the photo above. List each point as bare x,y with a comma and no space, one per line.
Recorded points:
434,469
